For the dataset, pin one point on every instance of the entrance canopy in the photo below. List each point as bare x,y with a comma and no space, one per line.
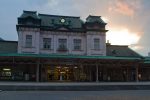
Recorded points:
67,56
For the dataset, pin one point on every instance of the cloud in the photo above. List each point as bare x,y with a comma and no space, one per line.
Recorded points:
122,36
136,47
125,7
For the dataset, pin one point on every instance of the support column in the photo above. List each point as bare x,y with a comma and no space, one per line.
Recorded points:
37,71
137,73
82,74
97,80
127,74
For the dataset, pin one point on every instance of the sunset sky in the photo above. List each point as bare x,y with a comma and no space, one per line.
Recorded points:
128,20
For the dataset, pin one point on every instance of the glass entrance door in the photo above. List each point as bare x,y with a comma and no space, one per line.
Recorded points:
59,73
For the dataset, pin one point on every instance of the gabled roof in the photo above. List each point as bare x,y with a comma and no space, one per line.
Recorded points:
8,46
120,51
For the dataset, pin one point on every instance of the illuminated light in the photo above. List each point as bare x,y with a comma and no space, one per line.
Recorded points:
122,37
65,67
75,67
139,75
6,69
58,67
62,72
67,70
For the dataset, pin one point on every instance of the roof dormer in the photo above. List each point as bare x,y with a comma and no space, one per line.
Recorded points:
94,23
29,18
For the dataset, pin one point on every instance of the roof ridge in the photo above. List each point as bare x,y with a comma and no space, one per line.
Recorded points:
119,45
94,16
25,11
59,16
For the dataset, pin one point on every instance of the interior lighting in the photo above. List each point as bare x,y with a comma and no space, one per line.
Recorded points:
6,69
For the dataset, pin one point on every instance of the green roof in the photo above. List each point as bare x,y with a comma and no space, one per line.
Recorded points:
66,56
121,51
146,62
55,21
32,14
92,19
147,58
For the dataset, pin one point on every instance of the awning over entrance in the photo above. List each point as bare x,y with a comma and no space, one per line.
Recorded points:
54,67
67,56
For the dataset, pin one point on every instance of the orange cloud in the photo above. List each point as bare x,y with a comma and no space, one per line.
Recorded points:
125,7
122,36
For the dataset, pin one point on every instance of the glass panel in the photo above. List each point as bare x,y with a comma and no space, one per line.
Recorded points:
96,44
28,40
47,43
77,44
62,44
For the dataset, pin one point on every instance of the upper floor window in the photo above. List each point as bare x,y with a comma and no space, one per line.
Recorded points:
96,44
77,44
28,42
46,43
62,44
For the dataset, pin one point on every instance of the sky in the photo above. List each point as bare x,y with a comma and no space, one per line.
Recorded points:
128,21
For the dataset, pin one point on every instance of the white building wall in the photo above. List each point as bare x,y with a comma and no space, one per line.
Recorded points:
46,35
87,42
83,45
90,43
22,40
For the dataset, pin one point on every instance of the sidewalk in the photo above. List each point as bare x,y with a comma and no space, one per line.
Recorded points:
71,86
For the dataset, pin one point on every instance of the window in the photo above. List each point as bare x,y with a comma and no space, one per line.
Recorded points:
53,21
77,44
46,43
96,44
28,40
62,44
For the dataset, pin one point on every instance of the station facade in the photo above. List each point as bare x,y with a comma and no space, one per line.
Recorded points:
54,48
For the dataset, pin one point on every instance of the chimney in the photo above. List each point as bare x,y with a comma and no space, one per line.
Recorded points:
108,43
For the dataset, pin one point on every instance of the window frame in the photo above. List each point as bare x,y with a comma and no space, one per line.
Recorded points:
77,44
96,44
28,41
47,44
62,44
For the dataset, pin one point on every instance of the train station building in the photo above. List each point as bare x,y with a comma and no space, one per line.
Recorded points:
54,48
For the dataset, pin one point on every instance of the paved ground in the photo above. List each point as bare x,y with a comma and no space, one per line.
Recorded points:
75,95
72,83
73,86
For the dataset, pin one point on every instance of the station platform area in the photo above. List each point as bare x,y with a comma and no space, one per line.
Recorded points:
69,86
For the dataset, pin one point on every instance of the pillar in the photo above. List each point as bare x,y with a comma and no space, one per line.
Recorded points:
37,71
97,80
137,73
127,74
